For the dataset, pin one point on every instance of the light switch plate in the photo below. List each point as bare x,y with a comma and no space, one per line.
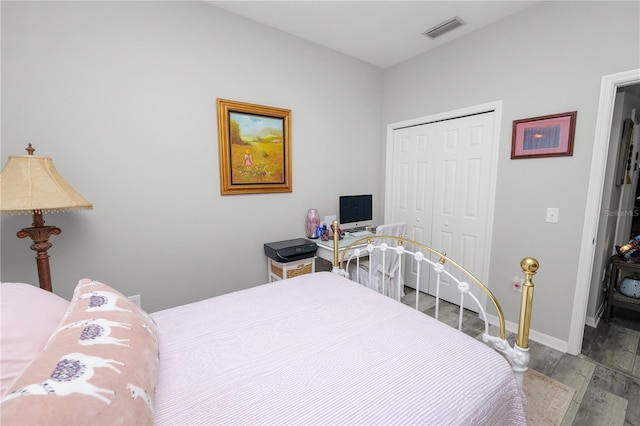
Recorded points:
552,214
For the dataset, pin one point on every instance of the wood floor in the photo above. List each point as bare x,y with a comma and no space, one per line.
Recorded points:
605,376
616,343
615,385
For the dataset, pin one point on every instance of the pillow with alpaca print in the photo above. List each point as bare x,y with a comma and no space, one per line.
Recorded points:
99,366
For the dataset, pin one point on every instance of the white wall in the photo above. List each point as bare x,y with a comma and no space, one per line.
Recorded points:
547,59
122,96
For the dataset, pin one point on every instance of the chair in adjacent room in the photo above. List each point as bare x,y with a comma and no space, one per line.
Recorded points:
385,276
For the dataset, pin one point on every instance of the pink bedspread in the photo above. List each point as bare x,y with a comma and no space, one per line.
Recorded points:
320,349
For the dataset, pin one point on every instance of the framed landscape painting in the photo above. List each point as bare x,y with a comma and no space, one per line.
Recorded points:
255,148
545,136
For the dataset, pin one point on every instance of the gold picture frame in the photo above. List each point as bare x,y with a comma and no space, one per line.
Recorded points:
254,143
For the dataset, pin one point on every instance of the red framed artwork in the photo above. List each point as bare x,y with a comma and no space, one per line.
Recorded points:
545,136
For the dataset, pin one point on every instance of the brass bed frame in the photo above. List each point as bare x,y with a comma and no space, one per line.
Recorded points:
518,354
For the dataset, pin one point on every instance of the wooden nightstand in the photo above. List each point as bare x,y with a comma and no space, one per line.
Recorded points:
614,297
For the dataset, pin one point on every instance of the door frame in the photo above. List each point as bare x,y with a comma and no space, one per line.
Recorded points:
496,107
608,88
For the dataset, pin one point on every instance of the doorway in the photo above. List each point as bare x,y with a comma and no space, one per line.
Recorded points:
590,263
614,343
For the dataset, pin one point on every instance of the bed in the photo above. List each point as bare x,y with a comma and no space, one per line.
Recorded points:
314,349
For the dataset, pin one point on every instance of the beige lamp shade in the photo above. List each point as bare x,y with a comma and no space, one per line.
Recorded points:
31,182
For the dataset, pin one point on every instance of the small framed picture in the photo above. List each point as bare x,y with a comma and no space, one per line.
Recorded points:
255,148
626,163
545,136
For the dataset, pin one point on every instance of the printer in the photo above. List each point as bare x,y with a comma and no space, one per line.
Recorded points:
290,250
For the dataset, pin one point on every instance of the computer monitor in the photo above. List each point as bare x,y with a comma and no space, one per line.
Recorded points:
356,211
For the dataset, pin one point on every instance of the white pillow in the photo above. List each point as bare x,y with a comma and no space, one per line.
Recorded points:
28,317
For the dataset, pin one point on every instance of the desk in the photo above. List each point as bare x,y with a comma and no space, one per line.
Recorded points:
614,297
325,248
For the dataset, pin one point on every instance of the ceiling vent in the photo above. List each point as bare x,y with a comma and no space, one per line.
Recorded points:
444,27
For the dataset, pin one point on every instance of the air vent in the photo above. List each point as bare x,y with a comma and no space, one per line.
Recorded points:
444,27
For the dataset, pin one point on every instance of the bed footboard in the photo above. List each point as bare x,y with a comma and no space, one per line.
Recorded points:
518,354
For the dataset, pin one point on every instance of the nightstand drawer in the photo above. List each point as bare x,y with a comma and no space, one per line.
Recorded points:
280,271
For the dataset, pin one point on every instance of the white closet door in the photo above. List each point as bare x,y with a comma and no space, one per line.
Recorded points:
441,179
413,167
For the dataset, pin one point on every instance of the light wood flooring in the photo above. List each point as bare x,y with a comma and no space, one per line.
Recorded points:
607,391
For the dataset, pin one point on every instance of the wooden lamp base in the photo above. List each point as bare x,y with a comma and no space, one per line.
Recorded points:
40,235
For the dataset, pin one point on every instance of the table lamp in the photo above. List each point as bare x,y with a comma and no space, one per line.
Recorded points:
30,184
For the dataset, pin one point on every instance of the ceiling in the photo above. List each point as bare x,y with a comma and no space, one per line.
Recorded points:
382,33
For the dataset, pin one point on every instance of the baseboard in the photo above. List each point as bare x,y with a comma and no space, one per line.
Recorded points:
536,336
593,321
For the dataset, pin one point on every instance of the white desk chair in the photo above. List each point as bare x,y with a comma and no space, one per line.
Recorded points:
385,277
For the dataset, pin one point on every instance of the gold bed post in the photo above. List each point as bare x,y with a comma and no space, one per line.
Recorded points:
529,266
519,355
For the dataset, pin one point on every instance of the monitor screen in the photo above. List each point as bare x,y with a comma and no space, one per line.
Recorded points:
356,210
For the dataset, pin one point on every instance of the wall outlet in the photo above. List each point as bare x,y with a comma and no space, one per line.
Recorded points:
552,214
516,283
136,299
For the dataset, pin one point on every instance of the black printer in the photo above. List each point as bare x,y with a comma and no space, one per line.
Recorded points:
290,250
